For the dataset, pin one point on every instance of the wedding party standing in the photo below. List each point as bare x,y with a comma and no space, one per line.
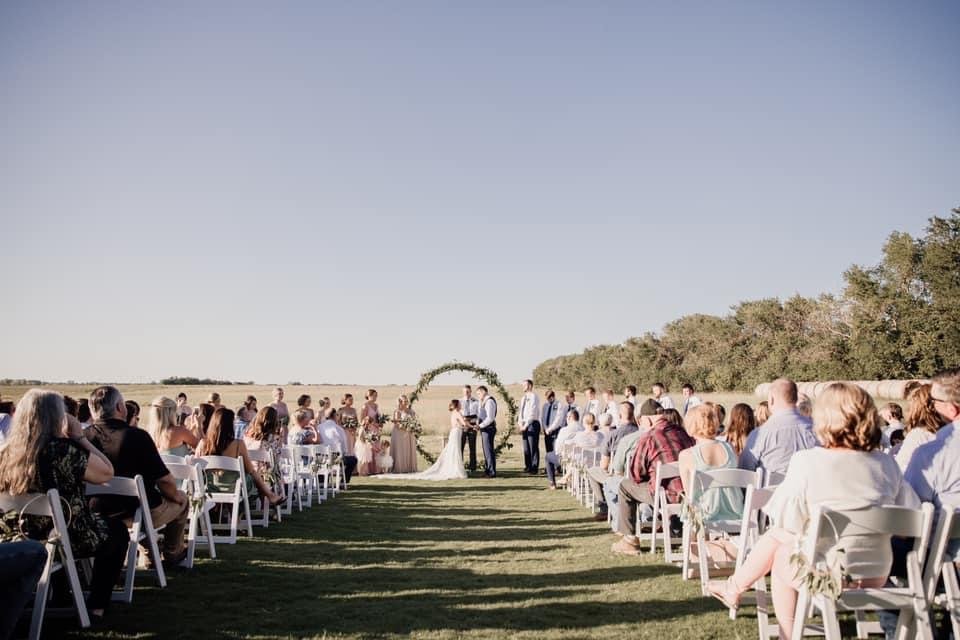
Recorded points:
403,443
528,420
368,436
347,418
487,426
469,407
449,466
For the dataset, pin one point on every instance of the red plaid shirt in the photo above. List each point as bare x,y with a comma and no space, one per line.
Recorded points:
663,443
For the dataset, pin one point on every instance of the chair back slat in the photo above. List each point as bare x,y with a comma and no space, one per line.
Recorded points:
705,479
115,486
828,524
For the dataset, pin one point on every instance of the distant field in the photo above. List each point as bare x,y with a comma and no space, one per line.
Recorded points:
431,407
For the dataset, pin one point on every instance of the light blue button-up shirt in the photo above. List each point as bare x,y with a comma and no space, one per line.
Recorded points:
934,472
771,445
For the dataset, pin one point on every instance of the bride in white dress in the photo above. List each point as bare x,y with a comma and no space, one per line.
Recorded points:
449,466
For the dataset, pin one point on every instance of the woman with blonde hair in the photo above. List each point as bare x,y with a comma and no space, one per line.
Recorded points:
849,471
403,444
762,414
921,424
46,449
703,424
162,426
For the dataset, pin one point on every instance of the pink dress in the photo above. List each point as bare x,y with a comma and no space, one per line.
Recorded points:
367,451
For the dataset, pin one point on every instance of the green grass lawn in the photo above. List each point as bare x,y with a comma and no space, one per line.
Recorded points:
478,558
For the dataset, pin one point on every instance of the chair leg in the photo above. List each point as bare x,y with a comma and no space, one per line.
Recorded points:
702,553
800,615
831,625
157,564
40,599
208,525
70,567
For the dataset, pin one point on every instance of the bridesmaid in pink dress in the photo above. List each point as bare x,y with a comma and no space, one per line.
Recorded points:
347,414
367,451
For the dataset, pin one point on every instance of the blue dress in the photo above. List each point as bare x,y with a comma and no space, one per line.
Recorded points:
720,503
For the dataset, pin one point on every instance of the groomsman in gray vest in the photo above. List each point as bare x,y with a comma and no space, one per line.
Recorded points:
487,425
470,407
528,421
555,417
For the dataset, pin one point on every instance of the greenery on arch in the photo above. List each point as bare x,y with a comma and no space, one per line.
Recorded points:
491,379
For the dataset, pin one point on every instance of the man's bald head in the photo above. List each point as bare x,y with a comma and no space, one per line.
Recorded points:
783,393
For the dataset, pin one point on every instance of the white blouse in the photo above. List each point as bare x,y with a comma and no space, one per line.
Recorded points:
913,439
842,479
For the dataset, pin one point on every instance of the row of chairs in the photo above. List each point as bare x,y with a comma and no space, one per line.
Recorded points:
303,471
929,563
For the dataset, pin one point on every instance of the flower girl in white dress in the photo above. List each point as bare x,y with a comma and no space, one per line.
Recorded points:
449,466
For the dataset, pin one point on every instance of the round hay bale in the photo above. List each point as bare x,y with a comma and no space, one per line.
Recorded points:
898,389
819,388
885,388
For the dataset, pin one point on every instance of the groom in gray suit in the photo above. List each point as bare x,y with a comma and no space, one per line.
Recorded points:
487,425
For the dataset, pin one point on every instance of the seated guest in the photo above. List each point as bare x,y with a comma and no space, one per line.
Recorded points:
762,414
46,450
892,415
661,444
804,405
742,424
167,435
262,432
133,452
6,419
245,415
220,442
784,434
197,421
83,413
214,399
707,454
333,435
590,436
933,470
922,425
302,432
673,417
848,472
133,413
598,475
721,412
605,426
21,564
565,435
303,404
626,447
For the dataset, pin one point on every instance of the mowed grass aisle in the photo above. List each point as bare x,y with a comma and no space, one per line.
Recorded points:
474,559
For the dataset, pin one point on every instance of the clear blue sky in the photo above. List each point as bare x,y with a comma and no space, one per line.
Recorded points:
357,191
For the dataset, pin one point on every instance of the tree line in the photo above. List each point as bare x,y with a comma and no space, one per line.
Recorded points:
897,319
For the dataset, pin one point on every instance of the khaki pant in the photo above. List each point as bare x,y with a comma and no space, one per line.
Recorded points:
174,516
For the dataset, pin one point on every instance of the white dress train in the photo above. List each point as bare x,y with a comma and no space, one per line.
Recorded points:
449,466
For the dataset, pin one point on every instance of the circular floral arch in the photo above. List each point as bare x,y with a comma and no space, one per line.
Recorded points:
492,380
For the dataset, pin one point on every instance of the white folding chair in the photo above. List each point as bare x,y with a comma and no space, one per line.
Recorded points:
826,527
262,509
752,525
141,529
772,478
235,498
324,466
59,553
287,466
304,458
173,459
663,511
188,478
940,564
339,470
701,482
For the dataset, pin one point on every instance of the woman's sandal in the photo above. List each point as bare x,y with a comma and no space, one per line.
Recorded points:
725,591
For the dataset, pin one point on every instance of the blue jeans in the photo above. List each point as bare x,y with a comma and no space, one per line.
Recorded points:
21,564
611,491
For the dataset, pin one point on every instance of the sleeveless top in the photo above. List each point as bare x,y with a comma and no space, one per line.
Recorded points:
721,503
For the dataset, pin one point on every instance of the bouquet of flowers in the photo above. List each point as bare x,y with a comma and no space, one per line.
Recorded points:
368,435
350,423
383,419
410,424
